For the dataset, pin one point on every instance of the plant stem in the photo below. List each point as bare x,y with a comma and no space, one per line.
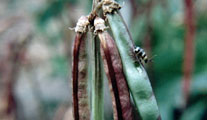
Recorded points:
189,48
95,3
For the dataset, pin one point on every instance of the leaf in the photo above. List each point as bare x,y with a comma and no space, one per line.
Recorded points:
194,112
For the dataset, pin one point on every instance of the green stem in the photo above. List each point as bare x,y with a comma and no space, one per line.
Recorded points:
95,3
97,83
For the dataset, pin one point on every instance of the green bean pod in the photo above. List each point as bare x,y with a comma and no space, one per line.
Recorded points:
137,78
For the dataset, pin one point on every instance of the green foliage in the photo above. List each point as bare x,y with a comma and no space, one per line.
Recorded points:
168,32
201,22
59,66
194,112
168,36
53,9
138,29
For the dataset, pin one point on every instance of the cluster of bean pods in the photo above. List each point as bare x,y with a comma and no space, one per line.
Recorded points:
126,76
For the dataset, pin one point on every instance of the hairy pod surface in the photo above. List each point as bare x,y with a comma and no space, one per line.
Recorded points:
79,72
136,76
113,68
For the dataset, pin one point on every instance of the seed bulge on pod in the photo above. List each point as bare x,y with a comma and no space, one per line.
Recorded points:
81,109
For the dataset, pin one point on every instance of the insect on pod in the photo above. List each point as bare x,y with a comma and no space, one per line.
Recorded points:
140,54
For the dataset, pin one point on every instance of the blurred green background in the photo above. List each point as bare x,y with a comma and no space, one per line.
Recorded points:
35,75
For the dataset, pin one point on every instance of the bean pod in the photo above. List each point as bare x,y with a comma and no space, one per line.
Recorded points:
137,78
79,72
114,71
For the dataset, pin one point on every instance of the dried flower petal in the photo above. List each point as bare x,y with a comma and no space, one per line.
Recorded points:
109,6
82,24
